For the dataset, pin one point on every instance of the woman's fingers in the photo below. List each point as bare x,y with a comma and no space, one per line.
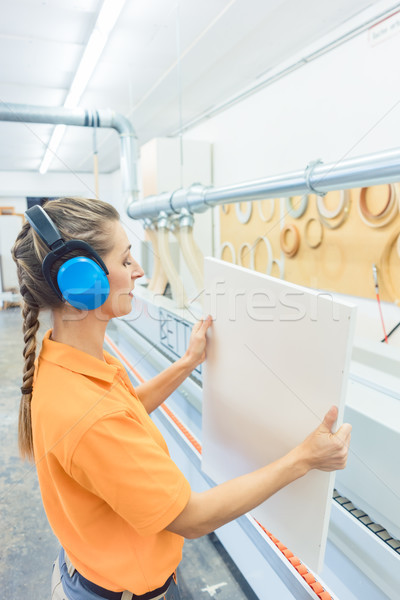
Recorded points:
206,323
329,420
198,341
324,449
344,434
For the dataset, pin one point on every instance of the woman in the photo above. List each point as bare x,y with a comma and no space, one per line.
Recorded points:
114,498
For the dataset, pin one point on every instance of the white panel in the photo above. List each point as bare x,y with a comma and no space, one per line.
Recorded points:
277,359
10,226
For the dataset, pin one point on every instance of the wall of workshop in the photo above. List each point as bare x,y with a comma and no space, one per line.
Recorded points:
343,104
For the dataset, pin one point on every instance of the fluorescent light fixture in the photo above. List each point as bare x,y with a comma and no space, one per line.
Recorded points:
105,22
86,67
108,15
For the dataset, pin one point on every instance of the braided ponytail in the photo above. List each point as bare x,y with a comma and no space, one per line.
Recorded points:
76,218
29,328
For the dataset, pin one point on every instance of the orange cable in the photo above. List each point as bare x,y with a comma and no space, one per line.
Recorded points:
298,565
180,425
294,560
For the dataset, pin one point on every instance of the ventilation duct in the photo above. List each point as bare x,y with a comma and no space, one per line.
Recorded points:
81,117
318,178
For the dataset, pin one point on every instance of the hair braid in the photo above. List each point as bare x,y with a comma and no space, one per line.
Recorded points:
30,326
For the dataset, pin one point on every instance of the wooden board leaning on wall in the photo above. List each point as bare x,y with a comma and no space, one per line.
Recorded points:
345,246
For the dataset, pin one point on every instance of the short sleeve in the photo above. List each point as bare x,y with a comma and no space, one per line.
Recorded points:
119,461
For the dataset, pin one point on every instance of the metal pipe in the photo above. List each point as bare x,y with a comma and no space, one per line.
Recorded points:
316,178
82,117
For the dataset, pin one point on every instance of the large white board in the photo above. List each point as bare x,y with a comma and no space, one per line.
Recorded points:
277,359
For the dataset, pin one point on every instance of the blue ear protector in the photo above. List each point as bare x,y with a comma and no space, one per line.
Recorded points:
81,281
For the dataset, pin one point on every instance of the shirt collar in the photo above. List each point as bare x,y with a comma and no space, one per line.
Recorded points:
77,360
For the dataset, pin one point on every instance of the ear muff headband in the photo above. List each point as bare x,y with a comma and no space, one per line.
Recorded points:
81,281
44,226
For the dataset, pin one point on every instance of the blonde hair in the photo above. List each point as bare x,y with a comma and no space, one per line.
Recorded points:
76,218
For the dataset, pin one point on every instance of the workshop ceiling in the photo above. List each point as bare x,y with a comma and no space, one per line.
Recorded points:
207,49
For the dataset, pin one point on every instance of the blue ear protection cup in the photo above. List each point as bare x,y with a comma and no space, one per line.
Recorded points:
81,281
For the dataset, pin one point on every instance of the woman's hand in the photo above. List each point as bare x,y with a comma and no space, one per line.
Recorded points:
196,352
206,511
323,449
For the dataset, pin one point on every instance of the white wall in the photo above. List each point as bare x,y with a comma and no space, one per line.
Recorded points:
17,203
345,103
29,183
334,107
134,229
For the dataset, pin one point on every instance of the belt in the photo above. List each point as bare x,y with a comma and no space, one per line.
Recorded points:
104,593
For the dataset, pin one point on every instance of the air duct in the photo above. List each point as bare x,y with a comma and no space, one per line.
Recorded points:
317,178
81,117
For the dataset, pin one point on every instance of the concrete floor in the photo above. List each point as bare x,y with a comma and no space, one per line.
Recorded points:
28,545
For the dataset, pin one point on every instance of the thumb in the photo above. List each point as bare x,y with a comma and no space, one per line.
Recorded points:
329,419
207,322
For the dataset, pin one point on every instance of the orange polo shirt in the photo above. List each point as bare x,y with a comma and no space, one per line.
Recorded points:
108,484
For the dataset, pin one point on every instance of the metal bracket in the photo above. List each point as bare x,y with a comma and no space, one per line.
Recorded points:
186,218
307,174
